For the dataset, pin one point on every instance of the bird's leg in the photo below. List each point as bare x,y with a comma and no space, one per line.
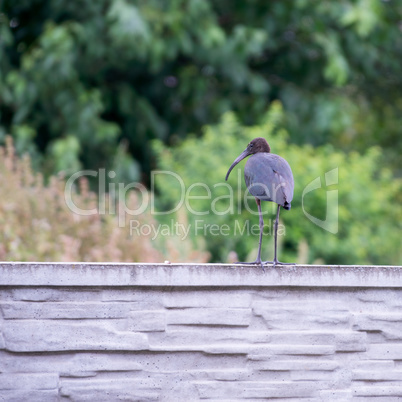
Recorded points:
275,261
276,235
261,221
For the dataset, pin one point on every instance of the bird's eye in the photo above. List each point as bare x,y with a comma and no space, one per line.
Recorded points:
251,145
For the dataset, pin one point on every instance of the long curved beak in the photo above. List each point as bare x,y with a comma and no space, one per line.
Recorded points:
243,155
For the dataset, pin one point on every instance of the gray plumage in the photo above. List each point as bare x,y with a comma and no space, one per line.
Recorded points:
269,178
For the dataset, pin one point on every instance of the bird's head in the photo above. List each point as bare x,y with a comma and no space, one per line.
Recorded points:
258,145
255,146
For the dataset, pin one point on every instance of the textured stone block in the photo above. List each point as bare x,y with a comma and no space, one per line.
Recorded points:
380,301
344,341
371,375
264,362
299,318
296,390
2,341
336,395
51,310
113,389
50,294
384,351
294,350
76,373
255,389
50,335
139,298
147,321
28,395
302,337
210,316
228,375
351,342
378,390
124,361
376,399
225,349
28,381
373,364
313,304
68,363
103,362
375,320
389,324
311,375
208,335
205,298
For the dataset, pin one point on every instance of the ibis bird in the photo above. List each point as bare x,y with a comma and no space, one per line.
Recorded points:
268,178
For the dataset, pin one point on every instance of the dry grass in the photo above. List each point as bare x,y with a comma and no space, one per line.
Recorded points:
37,225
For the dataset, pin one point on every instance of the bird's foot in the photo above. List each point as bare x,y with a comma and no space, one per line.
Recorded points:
276,262
256,262
263,263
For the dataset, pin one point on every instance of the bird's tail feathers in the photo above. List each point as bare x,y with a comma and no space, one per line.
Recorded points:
287,205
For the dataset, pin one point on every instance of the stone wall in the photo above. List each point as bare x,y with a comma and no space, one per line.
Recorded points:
109,332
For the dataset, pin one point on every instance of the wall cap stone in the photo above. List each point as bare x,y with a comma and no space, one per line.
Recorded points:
197,275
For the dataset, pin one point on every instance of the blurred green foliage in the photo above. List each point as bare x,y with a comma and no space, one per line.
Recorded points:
138,70
90,84
369,198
